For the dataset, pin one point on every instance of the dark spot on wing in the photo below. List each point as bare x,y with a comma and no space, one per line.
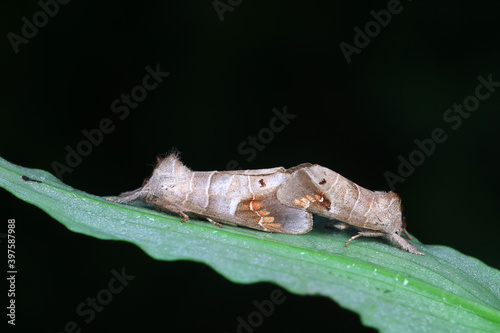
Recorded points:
323,182
262,183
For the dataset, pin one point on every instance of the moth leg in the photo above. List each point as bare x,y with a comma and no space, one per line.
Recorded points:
366,234
168,207
185,217
402,243
171,208
213,222
394,238
339,225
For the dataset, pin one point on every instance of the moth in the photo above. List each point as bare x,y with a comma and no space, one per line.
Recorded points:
244,198
324,192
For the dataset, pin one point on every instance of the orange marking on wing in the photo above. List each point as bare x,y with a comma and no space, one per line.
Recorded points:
245,205
253,210
263,212
254,205
251,204
310,198
274,226
297,202
324,202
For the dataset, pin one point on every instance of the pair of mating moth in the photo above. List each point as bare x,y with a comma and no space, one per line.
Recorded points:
273,200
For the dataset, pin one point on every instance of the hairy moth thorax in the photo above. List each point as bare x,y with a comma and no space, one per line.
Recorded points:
168,174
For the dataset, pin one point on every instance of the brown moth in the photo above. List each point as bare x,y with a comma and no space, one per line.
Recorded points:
245,198
321,191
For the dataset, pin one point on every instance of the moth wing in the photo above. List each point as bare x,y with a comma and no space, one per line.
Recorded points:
257,172
300,166
301,191
265,212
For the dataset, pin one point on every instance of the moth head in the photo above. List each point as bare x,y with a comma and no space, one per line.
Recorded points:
390,212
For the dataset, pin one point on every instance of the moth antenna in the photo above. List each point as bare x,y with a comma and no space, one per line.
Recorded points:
407,234
129,196
404,230
130,193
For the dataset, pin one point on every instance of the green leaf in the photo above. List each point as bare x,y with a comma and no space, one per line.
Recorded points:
392,290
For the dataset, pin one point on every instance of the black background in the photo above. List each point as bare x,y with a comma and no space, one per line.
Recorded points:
225,79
